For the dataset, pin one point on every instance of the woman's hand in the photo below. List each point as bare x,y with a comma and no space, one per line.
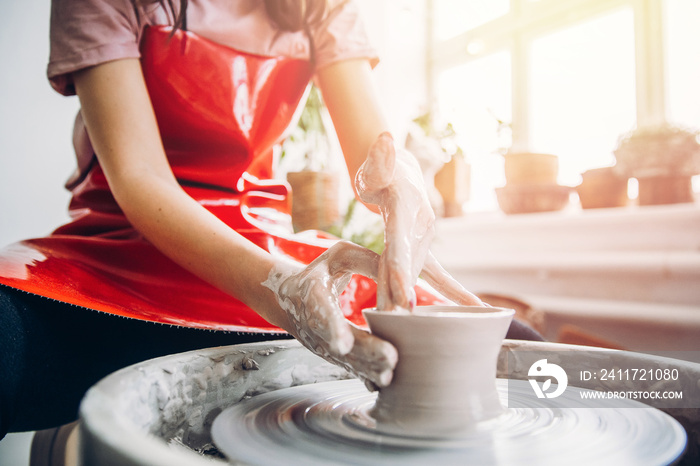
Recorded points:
389,179
309,297
393,181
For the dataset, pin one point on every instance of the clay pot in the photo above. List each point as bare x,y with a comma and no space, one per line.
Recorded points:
601,188
531,168
314,199
530,198
665,189
452,181
445,380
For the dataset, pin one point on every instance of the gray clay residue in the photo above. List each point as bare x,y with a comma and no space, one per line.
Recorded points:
164,408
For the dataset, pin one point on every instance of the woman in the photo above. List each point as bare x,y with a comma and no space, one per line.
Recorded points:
175,219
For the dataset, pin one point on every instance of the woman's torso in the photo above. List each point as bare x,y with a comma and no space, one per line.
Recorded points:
220,110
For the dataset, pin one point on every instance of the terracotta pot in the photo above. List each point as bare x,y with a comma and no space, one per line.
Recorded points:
524,199
445,379
601,188
665,189
453,182
314,199
531,168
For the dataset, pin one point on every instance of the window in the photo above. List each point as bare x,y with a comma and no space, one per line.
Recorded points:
476,95
582,92
456,16
569,76
682,51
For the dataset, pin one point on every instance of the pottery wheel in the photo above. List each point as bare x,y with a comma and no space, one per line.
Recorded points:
328,423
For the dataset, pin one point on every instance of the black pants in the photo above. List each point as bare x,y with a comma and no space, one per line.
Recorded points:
52,352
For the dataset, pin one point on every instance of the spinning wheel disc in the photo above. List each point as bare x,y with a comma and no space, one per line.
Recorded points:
329,423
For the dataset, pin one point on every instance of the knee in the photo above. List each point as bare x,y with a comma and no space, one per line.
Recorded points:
12,356
520,331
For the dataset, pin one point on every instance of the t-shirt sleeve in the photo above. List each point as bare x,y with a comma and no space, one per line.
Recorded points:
341,35
86,33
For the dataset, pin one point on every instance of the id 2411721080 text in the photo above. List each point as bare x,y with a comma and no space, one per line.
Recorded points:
631,374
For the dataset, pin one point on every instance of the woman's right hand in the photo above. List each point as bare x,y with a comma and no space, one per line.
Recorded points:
391,179
309,297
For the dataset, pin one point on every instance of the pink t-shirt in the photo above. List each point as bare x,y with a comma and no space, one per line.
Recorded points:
89,32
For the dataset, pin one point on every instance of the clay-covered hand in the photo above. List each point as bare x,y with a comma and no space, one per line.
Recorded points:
392,180
444,283
309,296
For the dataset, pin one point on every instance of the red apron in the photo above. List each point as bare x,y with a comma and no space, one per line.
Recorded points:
220,112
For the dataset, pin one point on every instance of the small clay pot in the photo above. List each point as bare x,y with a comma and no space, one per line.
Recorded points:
665,189
601,188
531,198
445,379
531,168
314,199
453,182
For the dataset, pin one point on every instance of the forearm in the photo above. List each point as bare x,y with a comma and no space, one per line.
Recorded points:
352,99
195,239
124,133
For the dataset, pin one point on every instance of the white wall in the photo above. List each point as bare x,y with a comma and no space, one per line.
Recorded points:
36,155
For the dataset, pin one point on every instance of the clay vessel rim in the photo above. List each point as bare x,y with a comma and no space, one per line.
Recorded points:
444,312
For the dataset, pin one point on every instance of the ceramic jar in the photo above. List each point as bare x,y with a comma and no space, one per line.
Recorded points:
445,379
315,204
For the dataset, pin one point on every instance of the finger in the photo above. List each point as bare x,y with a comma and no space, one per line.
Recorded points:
404,276
378,169
444,283
346,257
398,259
372,358
370,386
408,237
397,254
400,288
384,301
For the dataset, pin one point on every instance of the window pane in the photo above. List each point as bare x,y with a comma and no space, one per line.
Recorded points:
453,17
583,92
682,47
471,97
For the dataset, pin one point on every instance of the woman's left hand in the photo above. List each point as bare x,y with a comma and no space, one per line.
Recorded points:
308,297
392,180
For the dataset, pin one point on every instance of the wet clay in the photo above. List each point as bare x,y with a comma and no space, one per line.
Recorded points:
391,179
445,379
309,297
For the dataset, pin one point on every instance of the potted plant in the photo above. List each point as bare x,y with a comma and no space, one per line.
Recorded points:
453,182
314,188
524,167
663,158
444,165
425,144
530,168
531,179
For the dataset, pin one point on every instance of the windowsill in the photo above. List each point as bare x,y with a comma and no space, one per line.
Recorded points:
485,237
606,270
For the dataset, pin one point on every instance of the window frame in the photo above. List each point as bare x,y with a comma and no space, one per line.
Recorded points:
529,20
